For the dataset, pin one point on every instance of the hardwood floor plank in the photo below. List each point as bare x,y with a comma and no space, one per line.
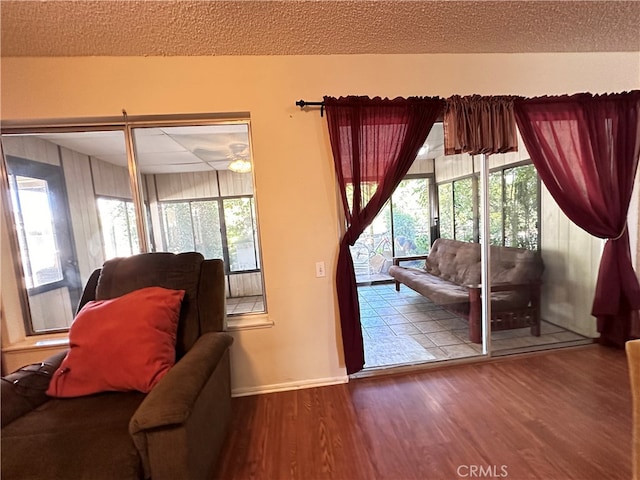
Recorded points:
562,414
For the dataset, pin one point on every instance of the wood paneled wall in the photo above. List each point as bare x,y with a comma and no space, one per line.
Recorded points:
185,186
245,284
31,148
572,258
84,212
51,310
422,166
110,180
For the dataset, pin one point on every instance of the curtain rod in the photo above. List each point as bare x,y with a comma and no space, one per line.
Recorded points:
304,103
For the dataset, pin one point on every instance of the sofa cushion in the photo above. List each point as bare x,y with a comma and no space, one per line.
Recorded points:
78,438
126,343
25,389
454,261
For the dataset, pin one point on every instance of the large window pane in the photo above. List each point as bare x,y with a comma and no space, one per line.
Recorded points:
240,227
411,217
495,208
36,233
463,210
205,220
118,225
445,210
178,231
73,210
199,201
521,207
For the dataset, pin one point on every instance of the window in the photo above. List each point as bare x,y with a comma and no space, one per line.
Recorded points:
465,210
514,204
118,225
445,204
205,206
514,193
240,234
411,217
192,226
36,230
521,188
402,228
223,228
74,206
458,209
47,252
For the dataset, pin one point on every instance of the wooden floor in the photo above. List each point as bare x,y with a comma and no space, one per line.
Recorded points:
561,415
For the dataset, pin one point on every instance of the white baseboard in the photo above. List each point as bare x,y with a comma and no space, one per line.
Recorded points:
283,387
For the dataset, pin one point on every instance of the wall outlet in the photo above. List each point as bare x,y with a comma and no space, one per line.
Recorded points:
320,269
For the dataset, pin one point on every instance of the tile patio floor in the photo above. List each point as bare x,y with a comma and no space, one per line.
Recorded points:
239,305
405,328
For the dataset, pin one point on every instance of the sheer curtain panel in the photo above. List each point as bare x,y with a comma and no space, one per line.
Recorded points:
586,148
374,142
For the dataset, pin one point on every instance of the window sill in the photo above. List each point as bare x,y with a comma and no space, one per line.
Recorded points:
248,322
35,343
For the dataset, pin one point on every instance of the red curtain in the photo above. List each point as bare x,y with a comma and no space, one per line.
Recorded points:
374,142
586,151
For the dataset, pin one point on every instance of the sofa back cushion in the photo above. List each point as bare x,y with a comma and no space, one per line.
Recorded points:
172,271
459,262
454,261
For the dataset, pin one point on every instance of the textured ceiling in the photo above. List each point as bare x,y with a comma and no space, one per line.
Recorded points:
185,27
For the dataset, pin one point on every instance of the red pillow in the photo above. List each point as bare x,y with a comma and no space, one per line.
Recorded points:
126,343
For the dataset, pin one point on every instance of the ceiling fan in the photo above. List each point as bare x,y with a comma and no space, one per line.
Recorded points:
240,155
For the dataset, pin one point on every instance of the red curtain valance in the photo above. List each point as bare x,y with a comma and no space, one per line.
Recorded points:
477,124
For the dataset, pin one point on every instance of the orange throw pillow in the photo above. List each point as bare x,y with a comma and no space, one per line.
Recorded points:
122,344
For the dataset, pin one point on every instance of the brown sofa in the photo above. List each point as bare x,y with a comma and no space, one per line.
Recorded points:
174,432
451,279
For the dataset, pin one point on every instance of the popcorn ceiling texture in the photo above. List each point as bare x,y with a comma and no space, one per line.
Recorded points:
165,28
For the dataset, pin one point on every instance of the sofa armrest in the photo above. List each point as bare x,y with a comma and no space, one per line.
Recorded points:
24,390
172,399
166,413
409,258
505,287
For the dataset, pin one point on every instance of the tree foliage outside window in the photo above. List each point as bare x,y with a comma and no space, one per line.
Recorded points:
521,207
445,203
411,217
196,226
401,228
495,208
513,208
241,234
463,211
34,221
118,225
192,226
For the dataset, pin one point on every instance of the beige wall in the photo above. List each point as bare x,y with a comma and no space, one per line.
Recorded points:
295,184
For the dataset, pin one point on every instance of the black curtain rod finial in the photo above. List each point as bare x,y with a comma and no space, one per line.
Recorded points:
303,104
